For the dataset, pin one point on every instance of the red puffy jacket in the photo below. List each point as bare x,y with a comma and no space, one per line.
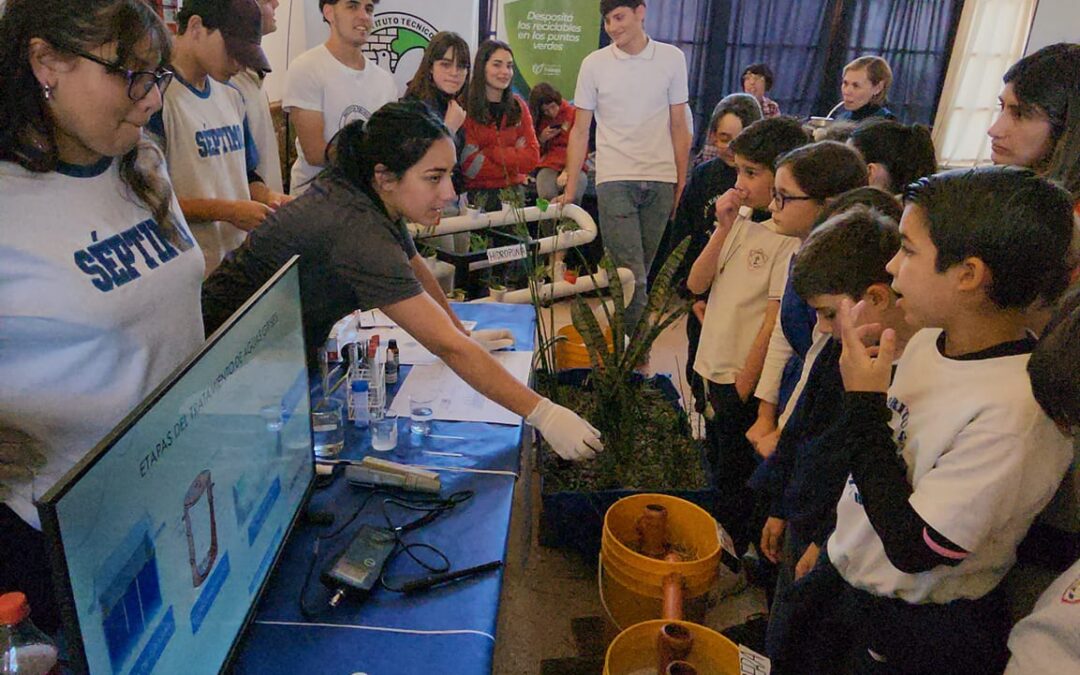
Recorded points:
492,156
553,153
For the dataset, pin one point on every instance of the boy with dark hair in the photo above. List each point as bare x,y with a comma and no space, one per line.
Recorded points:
951,462
208,145
1048,640
843,259
743,267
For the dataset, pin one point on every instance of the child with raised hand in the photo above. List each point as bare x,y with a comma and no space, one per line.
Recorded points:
843,259
743,268
805,179
951,461
1048,640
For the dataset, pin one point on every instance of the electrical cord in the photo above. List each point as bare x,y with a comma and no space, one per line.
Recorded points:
432,508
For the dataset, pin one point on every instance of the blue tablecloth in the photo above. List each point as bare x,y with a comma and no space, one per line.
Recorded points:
448,629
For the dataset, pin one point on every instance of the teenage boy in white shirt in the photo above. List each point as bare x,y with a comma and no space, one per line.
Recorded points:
637,89
211,156
333,84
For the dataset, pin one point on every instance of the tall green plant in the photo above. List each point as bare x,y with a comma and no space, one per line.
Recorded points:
619,398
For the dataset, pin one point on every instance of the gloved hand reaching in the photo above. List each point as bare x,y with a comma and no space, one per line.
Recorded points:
570,436
493,339
20,456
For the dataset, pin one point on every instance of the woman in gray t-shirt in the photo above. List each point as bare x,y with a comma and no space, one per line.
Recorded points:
355,253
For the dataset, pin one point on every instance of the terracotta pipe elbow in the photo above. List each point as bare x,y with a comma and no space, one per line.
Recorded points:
652,530
673,646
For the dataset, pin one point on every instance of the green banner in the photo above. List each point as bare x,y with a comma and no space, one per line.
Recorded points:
550,38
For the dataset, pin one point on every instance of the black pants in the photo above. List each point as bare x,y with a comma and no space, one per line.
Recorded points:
836,626
24,567
731,460
697,384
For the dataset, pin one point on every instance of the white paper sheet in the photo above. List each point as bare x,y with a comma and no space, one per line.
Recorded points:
456,401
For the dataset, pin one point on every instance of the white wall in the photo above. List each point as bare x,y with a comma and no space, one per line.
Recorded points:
300,25
1055,21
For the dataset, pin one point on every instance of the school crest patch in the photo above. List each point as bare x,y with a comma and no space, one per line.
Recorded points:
756,259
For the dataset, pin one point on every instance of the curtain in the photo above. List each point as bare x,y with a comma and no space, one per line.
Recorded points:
685,24
990,38
808,42
791,36
915,37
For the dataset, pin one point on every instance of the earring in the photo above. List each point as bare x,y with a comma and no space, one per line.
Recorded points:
46,91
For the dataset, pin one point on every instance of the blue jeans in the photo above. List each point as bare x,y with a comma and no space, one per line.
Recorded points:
633,217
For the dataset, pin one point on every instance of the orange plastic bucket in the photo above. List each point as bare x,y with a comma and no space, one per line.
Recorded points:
571,352
635,650
631,584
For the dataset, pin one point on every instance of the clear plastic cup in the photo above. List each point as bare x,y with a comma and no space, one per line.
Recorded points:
326,429
421,412
384,432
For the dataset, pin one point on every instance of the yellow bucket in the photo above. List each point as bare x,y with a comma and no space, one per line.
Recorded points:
571,352
636,650
632,584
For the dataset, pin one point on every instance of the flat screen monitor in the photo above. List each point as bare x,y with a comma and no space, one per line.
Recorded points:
162,537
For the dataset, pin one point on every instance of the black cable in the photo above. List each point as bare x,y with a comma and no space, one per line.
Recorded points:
432,506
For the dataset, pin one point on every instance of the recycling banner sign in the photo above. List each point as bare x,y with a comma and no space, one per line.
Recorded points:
550,38
403,29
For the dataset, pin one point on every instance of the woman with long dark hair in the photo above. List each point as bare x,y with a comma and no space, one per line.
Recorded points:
501,149
355,253
99,274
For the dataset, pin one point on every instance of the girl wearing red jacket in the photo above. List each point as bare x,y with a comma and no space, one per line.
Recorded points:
554,120
500,145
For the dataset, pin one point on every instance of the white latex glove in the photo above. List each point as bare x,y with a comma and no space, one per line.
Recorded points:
20,456
570,436
493,339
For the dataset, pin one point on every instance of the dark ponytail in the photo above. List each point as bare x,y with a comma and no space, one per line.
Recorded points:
397,136
906,152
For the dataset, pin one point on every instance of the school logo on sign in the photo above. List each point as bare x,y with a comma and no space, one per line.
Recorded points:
396,34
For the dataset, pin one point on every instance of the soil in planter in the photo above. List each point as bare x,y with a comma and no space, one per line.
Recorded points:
664,456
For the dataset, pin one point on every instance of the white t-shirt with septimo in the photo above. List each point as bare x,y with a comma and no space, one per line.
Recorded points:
96,309
631,98
210,152
751,270
316,80
983,460
1048,639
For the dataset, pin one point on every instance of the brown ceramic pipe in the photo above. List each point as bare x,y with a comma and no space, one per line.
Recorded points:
680,668
652,530
673,645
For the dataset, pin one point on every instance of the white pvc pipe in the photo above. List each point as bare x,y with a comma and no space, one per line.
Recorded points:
557,242
564,289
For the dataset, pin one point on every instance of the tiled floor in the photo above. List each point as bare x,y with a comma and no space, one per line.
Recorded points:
546,590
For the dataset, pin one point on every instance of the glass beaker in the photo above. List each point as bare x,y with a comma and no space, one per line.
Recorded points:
384,431
326,429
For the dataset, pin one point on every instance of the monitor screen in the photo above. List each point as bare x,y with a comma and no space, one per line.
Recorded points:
163,535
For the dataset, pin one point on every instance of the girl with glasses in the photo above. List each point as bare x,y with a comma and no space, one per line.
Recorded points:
99,274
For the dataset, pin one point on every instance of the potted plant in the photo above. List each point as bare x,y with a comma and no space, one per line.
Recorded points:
570,274
647,441
457,295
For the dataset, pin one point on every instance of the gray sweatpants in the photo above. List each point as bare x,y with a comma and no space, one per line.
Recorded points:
633,216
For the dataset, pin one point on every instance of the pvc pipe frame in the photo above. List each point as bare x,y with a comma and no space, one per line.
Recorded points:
559,241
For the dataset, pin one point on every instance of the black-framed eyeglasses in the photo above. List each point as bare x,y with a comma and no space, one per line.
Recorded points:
782,199
140,82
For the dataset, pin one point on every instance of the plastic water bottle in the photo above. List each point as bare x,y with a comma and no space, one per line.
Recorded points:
24,650
359,400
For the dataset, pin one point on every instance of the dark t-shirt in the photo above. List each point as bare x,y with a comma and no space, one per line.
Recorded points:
696,215
352,256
